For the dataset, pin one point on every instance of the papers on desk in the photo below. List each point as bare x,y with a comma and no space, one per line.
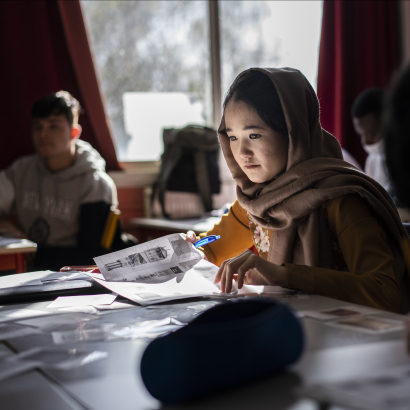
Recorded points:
198,281
355,318
4,241
9,315
49,358
11,330
84,300
276,292
38,278
387,389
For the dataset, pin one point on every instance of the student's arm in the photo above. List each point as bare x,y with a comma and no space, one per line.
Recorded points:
235,236
7,194
370,280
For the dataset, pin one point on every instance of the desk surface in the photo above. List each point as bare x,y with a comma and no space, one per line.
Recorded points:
330,354
198,225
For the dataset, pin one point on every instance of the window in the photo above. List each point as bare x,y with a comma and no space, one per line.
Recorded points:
269,34
154,61
152,58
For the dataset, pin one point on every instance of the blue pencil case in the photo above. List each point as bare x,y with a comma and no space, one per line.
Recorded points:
230,344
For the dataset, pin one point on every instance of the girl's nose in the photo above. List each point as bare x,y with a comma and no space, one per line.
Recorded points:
244,149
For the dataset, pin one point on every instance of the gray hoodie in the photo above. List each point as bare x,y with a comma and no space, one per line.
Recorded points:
48,203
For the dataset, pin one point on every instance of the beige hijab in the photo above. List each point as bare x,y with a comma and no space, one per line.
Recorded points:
292,204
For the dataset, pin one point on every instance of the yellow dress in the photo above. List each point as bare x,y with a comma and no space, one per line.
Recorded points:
363,271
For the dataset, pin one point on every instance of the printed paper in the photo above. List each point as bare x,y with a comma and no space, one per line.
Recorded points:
193,283
84,300
158,261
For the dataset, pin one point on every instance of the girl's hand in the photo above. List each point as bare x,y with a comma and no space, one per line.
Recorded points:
191,237
250,269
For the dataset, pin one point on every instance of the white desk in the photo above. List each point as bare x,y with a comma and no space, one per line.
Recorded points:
116,383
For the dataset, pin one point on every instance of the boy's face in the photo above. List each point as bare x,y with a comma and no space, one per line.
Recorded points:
52,136
369,128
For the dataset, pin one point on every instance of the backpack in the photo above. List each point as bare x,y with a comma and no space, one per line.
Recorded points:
190,163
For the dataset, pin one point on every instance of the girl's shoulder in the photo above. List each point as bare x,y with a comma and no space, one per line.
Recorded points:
345,210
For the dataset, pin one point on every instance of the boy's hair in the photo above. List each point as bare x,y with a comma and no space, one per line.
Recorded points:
369,101
396,133
256,89
60,103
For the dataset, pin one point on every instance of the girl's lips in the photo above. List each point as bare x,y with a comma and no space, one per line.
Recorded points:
250,166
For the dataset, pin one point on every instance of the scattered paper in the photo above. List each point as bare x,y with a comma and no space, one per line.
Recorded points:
38,278
52,358
10,330
192,284
338,312
110,331
4,241
8,315
89,310
85,300
158,261
67,321
387,389
369,324
276,292
114,306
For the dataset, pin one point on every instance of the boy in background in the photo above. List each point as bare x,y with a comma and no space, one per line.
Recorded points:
367,120
62,194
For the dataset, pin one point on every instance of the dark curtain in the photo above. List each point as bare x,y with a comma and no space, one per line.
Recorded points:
359,48
44,48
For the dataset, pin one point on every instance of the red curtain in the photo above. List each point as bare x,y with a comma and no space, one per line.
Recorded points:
44,48
359,48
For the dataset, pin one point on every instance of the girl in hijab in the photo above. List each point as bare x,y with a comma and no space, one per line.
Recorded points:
318,223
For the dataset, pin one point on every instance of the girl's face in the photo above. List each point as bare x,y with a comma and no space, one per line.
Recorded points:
261,152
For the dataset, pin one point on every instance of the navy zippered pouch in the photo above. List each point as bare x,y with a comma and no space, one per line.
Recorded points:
228,345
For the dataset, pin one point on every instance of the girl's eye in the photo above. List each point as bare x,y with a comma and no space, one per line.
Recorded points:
254,136
232,138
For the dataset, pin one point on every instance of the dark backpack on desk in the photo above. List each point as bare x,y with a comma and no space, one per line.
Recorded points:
190,163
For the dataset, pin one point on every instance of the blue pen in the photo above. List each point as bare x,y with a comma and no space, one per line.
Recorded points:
206,240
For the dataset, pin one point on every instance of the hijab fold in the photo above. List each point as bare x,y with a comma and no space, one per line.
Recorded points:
292,205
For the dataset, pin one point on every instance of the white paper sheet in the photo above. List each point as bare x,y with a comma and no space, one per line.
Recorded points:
368,324
67,321
276,292
4,241
195,282
38,278
110,331
387,389
344,311
84,300
18,314
10,330
158,261
52,358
